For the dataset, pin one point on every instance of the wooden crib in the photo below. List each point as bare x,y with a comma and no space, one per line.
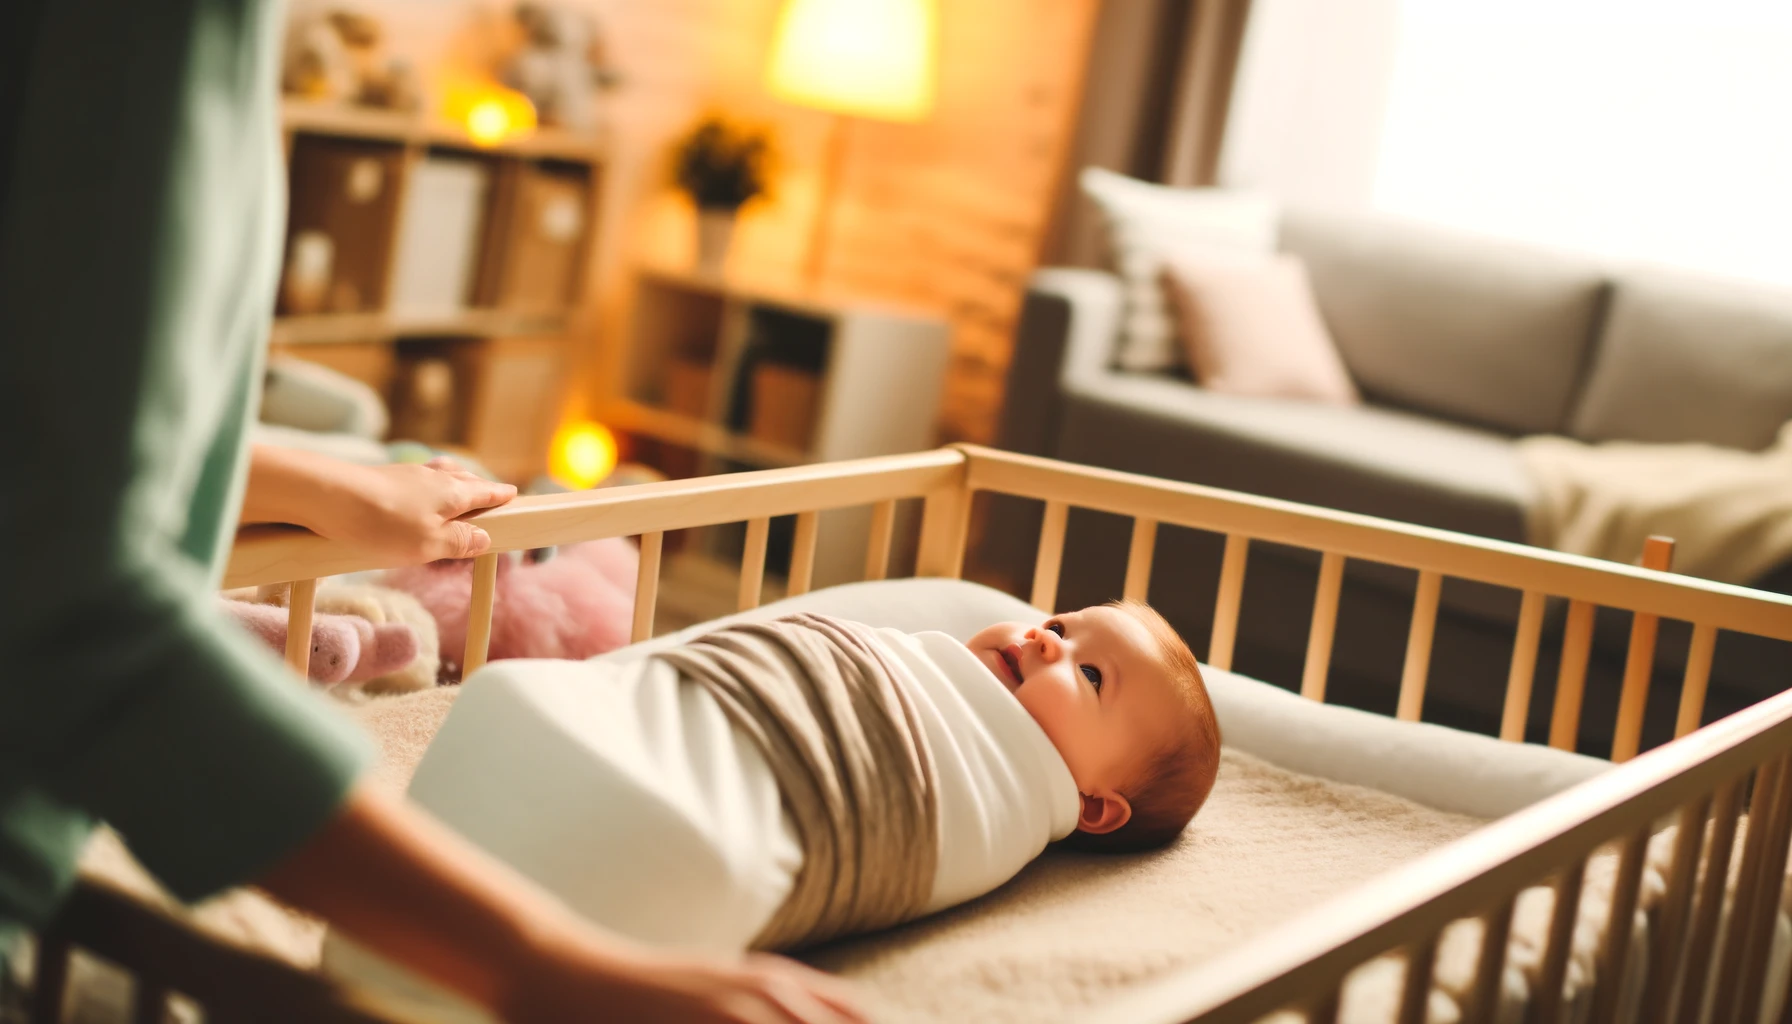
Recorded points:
1741,766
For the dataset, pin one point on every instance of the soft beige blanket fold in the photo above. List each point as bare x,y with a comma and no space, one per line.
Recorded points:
828,707
1729,512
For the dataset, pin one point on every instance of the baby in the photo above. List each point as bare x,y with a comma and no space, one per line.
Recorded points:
631,787
1121,698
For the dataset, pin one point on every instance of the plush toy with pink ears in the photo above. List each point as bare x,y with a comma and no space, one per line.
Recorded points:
344,648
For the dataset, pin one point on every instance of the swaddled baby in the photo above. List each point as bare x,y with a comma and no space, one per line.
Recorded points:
626,788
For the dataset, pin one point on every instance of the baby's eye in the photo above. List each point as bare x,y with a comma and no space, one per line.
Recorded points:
1093,674
1055,627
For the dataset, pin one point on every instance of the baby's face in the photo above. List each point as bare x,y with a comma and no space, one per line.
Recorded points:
1092,681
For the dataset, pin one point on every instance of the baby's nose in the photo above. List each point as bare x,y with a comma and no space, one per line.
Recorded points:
1049,644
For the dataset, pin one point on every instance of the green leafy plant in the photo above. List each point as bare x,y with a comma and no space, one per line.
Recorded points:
723,166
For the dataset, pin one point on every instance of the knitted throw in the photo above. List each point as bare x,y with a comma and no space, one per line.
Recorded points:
824,702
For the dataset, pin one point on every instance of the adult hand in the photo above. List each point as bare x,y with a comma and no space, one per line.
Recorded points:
758,989
405,513
413,513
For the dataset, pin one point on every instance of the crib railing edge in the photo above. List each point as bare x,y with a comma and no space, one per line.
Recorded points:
265,555
1518,566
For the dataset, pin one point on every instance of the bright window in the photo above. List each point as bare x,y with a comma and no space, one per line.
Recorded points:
1643,130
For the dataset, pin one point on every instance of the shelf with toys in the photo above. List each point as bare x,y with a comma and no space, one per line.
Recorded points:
440,241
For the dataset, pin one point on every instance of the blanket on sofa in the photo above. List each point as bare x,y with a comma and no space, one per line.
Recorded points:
1729,511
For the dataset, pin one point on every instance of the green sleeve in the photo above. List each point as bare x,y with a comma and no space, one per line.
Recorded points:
140,227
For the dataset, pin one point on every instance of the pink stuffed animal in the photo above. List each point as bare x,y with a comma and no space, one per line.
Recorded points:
344,648
577,604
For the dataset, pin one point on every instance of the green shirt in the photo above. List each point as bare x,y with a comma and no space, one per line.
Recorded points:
141,216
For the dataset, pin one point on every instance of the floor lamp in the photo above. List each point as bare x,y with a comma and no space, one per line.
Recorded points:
852,58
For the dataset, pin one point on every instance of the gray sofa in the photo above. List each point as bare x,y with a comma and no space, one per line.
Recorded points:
1459,345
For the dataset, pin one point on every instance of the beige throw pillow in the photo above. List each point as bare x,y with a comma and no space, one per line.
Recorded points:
1251,327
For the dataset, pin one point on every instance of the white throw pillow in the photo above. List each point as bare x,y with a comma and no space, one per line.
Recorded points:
1147,223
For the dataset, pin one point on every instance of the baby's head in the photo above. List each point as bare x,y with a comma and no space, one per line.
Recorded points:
1121,697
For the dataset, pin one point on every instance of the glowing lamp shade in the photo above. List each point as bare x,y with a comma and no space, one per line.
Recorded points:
581,455
870,58
489,112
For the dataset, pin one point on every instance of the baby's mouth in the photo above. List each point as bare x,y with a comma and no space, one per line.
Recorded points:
1011,661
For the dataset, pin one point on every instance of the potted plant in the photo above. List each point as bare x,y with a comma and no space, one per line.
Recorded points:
722,167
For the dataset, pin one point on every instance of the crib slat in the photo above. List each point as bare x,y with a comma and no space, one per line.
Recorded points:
1615,956
1051,556
752,564
1639,663
1138,559
1692,687
1325,621
149,1002
1743,903
877,548
51,984
301,600
1710,904
1415,991
945,527
1550,1003
647,586
1490,966
479,613
1225,609
1767,900
802,555
1571,679
1667,949
1524,667
1324,1009
1418,647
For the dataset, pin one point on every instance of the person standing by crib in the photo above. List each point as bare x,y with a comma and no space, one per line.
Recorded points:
140,227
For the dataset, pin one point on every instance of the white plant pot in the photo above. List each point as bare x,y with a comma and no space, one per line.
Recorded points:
715,232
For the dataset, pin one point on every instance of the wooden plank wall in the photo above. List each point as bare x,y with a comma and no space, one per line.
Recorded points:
947,214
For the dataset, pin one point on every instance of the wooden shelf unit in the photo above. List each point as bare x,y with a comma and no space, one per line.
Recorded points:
749,375
435,248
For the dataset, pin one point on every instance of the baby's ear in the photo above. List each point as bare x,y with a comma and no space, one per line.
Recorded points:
1103,812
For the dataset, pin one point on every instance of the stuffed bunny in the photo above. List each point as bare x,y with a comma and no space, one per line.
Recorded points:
344,648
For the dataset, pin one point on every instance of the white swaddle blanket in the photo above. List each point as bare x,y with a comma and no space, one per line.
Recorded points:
625,791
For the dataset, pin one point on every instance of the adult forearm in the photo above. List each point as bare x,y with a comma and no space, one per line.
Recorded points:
298,487
401,884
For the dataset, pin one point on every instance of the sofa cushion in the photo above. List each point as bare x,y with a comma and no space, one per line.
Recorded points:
1365,459
1683,359
1466,327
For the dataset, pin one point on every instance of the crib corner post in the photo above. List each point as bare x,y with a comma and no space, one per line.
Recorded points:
945,526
